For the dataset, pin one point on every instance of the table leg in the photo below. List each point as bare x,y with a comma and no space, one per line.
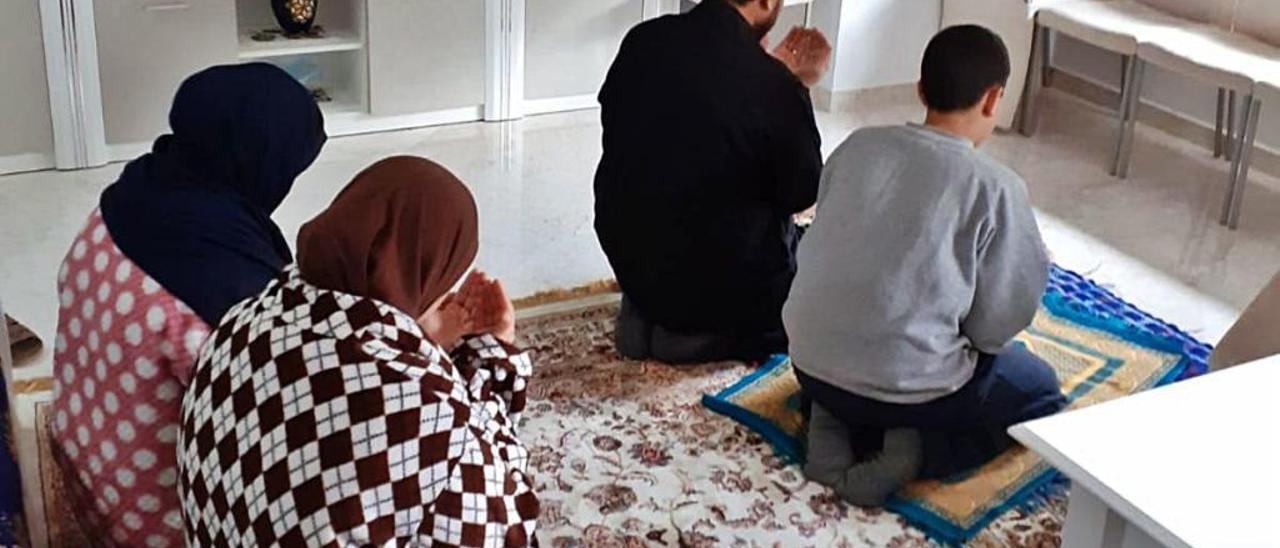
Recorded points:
1092,524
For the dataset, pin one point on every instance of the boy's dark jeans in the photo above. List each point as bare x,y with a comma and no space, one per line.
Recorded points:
964,429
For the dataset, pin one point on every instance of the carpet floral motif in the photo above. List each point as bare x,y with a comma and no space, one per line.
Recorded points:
623,454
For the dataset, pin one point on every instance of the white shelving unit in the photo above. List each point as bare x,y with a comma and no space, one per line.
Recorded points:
336,63
280,47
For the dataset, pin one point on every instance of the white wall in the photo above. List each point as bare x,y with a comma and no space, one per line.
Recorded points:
569,44
876,42
791,16
1171,91
24,112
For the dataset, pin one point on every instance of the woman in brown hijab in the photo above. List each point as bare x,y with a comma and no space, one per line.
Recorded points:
356,400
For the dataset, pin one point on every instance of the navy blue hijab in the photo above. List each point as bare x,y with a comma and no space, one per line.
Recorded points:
195,212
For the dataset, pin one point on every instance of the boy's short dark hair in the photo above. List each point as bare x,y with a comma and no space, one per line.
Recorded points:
959,65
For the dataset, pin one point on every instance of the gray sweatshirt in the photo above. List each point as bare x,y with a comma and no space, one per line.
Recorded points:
924,252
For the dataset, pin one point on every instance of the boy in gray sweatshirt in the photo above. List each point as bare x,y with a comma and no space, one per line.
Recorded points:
923,261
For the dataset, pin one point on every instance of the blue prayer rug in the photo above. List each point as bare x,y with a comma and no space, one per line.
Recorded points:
1101,348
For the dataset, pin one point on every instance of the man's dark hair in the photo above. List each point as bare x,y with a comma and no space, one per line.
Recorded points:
960,64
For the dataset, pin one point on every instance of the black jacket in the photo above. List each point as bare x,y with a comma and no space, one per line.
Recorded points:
710,146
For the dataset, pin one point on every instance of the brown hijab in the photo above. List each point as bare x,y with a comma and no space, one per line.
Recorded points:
403,232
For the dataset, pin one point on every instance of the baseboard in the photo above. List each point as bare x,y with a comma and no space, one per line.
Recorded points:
534,107
357,122
827,100
560,300
1265,159
21,163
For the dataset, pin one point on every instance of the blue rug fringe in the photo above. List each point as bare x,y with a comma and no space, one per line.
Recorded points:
1057,486
1086,297
785,446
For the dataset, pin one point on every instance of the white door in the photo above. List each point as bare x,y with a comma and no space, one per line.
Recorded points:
569,45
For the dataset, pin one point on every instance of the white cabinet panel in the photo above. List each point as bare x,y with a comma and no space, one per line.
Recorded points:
25,110
146,48
425,55
569,44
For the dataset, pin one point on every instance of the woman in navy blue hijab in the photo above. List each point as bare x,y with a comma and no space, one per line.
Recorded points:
184,235
195,213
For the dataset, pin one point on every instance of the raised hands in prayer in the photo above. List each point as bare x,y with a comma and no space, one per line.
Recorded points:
447,322
806,52
480,306
487,305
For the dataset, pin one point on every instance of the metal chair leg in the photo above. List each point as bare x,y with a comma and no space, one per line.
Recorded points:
1230,141
1244,154
1132,97
1217,123
1028,119
1126,76
1126,66
1046,54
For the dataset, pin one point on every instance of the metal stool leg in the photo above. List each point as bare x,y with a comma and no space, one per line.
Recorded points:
1129,117
1028,119
1218,122
1126,77
1046,54
1229,142
1244,153
1126,68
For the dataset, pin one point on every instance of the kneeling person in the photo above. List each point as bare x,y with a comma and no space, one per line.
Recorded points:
357,401
922,264
710,147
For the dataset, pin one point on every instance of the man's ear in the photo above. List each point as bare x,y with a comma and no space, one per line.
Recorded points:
991,99
920,93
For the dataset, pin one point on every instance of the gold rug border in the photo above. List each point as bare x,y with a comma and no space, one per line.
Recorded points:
553,296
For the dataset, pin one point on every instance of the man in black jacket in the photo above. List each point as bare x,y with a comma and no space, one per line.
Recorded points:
710,147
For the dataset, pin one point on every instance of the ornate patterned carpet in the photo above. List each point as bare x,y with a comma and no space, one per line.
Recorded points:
624,454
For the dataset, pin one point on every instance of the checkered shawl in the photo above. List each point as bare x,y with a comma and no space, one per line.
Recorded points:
319,418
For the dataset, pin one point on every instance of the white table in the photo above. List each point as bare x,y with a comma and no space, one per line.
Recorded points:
1195,463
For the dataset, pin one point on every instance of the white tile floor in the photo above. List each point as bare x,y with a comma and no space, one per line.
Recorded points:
1153,238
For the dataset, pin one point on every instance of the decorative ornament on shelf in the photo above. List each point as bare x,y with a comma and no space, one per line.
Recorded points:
295,16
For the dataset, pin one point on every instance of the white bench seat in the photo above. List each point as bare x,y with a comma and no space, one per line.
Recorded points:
1233,45
1213,55
1115,25
1230,60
